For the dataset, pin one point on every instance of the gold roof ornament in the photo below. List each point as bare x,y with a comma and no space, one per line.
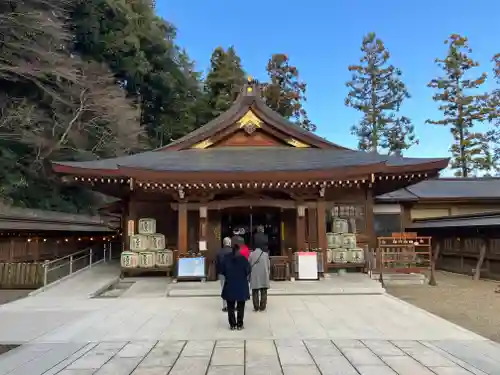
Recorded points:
293,142
203,144
250,122
250,79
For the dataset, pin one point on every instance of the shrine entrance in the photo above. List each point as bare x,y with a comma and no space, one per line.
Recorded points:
248,219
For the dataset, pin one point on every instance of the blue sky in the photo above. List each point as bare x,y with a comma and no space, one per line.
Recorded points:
323,37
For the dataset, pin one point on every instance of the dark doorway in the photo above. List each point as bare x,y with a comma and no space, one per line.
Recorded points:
249,219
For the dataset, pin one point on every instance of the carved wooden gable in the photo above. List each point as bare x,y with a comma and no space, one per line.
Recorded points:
250,130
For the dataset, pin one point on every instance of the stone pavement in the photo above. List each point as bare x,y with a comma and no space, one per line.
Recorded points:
255,357
49,320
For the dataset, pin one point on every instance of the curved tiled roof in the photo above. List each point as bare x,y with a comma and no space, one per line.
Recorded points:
248,159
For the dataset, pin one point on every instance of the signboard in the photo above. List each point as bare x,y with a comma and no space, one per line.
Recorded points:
191,267
308,265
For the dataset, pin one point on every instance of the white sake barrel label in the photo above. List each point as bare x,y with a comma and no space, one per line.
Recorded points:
146,260
329,258
147,226
357,255
128,259
157,242
139,242
341,256
340,225
164,258
334,240
349,241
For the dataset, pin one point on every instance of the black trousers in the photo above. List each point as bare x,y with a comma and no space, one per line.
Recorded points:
259,303
235,320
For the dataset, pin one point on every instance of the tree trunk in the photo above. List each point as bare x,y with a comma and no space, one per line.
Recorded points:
479,265
433,260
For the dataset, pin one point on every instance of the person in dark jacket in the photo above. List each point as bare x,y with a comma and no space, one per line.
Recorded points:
236,269
226,249
260,239
237,238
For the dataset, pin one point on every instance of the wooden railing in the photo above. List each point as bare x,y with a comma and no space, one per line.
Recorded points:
404,253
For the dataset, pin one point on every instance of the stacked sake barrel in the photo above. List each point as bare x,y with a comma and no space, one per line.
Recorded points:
147,248
342,244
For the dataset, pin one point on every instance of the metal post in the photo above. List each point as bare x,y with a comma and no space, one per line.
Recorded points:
45,272
104,257
70,264
110,251
90,258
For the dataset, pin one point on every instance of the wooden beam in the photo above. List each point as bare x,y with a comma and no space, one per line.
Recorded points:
182,229
301,230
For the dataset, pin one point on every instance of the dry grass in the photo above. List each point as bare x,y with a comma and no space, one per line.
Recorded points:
471,304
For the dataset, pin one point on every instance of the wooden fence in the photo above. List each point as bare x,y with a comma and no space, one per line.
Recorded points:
478,256
21,275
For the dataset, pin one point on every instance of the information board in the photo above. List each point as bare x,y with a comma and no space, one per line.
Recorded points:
308,265
191,267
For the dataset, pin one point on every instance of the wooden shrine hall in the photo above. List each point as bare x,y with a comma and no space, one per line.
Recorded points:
250,167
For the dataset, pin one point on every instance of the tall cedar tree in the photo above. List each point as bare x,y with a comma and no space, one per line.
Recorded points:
285,93
224,80
461,108
377,90
493,134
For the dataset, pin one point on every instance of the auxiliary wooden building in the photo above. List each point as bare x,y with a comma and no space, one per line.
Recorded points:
250,167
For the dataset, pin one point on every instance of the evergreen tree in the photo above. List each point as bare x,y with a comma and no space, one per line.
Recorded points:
376,90
493,135
140,49
285,93
224,80
53,106
462,108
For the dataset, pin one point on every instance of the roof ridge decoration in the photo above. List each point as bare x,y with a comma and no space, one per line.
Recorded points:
249,122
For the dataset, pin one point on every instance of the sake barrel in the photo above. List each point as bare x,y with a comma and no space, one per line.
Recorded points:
334,240
139,242
129,259
156,242
147,226
147,259
329,255
357,255
340,256
349,240
164,258
340,225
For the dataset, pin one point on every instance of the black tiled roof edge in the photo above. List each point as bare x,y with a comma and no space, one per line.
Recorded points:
447,188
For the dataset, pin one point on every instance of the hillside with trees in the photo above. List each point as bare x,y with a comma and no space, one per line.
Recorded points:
83,80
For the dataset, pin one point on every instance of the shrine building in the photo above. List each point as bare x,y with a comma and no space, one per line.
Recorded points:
248,167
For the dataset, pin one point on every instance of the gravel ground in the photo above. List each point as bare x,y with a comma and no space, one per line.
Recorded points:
8,295
471,304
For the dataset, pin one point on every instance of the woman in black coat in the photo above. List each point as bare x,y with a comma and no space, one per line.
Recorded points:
236,269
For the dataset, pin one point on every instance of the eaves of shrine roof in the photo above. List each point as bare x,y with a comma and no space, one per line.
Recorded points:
250,159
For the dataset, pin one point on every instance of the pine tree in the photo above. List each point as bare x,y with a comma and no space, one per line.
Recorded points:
224,80
376,90
462,108
493,135
285,93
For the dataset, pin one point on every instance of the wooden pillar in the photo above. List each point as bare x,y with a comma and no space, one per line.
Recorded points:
321,216
370,229
301,227
202,235
182,229
312,227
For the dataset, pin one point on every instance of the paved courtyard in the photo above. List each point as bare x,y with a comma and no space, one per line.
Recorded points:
375,334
